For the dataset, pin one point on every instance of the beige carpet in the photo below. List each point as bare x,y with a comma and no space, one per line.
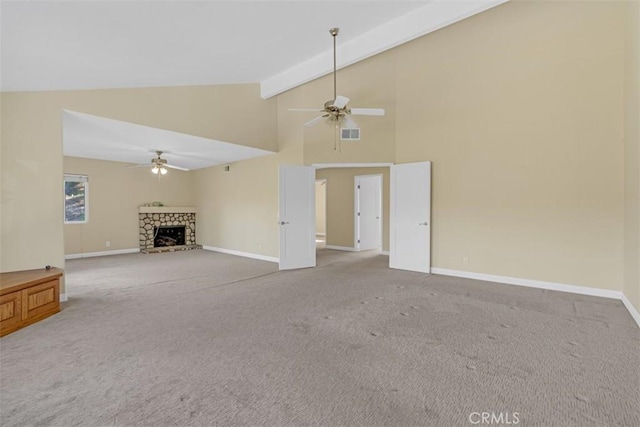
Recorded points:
200,338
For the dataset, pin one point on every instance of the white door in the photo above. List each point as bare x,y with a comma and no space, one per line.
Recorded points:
410,217
368,212
297,217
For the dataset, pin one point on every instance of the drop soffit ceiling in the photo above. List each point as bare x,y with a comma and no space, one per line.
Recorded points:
99,138
62,45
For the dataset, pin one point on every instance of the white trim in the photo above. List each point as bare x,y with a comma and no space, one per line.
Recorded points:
434,15
321,234
63,297
242,254
552,286
384,253
103,253
582,290
356,200
632,310
341,248
350,165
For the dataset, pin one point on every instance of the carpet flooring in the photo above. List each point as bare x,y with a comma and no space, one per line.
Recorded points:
202,338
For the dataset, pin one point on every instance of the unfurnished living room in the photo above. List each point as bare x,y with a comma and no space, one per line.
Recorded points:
284,213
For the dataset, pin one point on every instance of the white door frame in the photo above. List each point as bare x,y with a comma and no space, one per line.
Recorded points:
326,183
356,197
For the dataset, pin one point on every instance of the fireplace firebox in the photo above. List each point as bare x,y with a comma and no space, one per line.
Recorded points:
166,235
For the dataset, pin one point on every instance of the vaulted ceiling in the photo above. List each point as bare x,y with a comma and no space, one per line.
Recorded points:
100,44
57,45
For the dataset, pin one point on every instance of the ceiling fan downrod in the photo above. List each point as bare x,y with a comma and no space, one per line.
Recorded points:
334,32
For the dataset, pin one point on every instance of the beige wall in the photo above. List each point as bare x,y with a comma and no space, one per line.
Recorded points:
238,210
340,204
2,175
321,207
32,161
520,111
632,156
115,192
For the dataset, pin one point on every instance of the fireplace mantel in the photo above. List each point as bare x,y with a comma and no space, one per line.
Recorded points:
166,209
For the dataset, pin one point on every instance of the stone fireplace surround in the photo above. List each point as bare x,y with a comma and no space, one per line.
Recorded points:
154,216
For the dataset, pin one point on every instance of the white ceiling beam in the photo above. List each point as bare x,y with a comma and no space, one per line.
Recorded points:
433,16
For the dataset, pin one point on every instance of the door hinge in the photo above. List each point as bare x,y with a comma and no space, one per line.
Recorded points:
358,213
358,186
358,240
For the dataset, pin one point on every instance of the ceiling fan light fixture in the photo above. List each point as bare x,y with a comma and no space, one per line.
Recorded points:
163,171
155,170
336,111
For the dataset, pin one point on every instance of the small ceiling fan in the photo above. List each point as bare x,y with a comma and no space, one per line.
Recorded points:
335,110
158,165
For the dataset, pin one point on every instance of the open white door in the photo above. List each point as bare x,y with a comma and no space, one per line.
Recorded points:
297,217
410,217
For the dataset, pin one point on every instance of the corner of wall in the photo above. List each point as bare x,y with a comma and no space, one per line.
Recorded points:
631,288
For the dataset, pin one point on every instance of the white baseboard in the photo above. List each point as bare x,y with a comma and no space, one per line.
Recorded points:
582,290
632,310
63,297
242,254
350,249
341,248
103,253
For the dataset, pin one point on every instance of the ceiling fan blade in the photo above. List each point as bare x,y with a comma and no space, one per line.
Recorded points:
313,121
340,101
175,167
349,123
142,165
367,111
306,109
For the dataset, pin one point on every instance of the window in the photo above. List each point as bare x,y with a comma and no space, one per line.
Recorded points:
76,189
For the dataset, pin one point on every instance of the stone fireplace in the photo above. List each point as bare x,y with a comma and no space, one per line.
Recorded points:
167,228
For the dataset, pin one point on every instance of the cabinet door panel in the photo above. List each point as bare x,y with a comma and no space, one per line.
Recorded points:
41,300
10,312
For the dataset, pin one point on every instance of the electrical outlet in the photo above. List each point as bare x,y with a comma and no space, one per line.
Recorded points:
465,260
107,244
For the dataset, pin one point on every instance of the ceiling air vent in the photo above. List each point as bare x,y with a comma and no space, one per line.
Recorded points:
347,134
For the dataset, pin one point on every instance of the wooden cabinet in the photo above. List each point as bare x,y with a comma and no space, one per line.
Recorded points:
27,297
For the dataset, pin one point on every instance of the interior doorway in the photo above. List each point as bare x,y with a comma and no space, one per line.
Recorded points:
340,193
321,213
368,212
406,213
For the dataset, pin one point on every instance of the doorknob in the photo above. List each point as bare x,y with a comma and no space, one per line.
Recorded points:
284,222
424,223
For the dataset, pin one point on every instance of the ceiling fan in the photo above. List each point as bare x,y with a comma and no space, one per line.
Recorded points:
336,110
158,165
